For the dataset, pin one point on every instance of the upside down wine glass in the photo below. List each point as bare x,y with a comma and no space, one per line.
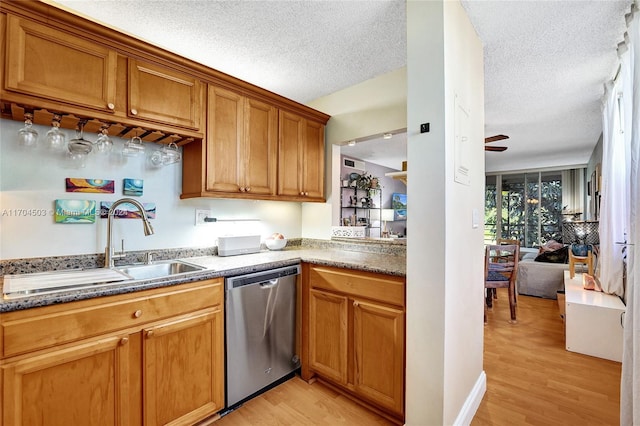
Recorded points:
27,136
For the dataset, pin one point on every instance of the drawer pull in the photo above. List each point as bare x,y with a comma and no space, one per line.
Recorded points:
124,341
111,106
149,334
134,112
137,314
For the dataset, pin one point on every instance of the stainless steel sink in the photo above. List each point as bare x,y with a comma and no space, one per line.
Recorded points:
158,270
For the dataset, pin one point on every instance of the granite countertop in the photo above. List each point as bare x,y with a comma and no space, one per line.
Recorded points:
216,266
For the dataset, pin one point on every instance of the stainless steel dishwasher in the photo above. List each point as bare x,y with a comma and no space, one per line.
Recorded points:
260,314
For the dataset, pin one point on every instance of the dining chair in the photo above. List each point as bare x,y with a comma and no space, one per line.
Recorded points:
501,271
501,242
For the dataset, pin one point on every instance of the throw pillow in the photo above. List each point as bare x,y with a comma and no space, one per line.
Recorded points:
556,256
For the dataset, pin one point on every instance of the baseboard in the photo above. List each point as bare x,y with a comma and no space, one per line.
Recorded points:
473,401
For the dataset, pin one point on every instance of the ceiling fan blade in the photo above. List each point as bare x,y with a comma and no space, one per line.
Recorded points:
495,148
495,138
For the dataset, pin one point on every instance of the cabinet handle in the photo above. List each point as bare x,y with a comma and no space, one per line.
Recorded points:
124,341
137,314
149,334
302,193
355,304
306,194
248,188
242,189
134,112
111,106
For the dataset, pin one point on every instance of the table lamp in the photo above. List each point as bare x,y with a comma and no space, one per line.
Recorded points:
386,215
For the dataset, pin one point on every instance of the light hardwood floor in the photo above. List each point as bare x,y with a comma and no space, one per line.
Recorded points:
531,380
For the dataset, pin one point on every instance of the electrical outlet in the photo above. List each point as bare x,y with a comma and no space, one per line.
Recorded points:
201,214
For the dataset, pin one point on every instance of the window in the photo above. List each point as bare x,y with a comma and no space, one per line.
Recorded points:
531,206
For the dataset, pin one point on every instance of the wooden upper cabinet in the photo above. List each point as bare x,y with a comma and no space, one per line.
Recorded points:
45,62
258,165
165,96
241,144
300,158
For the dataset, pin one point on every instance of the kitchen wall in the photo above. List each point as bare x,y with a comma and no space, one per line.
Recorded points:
31,179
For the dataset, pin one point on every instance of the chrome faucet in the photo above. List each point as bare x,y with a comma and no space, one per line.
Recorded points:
109,254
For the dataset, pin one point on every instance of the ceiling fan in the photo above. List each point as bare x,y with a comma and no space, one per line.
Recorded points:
495,139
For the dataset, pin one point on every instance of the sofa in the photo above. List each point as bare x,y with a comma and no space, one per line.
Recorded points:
540,279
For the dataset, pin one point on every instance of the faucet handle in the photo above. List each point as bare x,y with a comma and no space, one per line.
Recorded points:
122,253
148,257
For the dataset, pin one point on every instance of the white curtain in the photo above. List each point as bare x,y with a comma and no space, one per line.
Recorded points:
613,205
630,389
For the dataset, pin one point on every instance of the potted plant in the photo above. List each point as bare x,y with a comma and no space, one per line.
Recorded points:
366,181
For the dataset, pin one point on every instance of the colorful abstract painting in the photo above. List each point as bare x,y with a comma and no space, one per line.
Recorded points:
132,187
75,211
127,211
101,186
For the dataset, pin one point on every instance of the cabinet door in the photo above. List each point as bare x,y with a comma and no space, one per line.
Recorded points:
86,384
379,354
224,140
328,335
313,160
290,143
52,64
258,161
183,363
163,95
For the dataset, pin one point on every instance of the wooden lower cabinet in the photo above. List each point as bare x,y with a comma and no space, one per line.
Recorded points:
183,380
353,335
86,384
165,367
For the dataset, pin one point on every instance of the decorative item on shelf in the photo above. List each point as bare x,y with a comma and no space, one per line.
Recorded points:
276,241
364,181
569,215
27,136
55,138
348,231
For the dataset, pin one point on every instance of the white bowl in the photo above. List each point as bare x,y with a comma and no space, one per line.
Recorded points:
275,243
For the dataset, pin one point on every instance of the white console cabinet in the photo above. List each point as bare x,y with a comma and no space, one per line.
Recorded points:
593,321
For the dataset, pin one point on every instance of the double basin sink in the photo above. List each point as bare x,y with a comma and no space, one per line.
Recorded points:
23,285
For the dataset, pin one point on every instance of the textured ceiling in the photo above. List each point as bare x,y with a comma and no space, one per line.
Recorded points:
545,61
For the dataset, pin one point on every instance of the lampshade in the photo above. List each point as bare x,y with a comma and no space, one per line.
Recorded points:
580,232
387,214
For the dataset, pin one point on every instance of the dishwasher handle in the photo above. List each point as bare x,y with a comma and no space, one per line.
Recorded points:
269,284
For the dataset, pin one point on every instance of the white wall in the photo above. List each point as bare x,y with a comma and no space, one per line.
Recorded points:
372,107
445,381
33,179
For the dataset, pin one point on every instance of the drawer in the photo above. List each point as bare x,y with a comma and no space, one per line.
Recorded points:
384,288
39,328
